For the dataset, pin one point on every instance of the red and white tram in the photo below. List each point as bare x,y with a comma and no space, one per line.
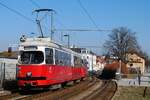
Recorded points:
43,63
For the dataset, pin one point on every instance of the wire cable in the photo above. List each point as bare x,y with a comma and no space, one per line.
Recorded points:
87,13
37,5
16,12
34,3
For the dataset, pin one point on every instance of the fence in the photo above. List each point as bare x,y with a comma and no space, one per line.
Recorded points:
1,74
7,70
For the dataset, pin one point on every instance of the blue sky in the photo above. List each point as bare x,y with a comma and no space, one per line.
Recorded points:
107,14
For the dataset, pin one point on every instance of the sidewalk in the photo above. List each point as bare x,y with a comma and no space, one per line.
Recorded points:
4,92
145,81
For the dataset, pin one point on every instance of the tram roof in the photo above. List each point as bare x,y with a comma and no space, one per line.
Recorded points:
47,42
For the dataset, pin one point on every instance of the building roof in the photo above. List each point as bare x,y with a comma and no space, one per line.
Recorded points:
12,55
138,54
79,50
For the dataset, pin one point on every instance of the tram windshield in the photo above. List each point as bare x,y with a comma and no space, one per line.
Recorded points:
31,57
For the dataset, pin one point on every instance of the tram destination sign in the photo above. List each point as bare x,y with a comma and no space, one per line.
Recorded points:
30,47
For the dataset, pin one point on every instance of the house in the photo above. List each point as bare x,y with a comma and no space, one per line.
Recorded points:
100,62
136,62
89,56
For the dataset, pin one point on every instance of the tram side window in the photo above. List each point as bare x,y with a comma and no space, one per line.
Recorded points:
58,60
62,58
67,59
49,56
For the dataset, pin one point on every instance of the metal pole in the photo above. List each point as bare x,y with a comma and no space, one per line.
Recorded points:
92,65
61,36
68,36
16,70
119,69
52,31
4,71
120,66
68,41
1,78
52,11
40,28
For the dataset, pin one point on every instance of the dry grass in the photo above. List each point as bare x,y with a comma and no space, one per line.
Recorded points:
132,93
132,76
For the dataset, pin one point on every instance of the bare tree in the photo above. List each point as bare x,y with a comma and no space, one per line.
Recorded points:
121,41
146,57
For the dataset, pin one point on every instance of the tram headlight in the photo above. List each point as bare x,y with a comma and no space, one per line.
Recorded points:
29,74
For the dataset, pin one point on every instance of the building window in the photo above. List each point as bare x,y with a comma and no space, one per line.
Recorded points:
83,51
131,65
138,60
131,59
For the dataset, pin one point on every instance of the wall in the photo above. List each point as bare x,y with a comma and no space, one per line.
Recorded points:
9,66
91,59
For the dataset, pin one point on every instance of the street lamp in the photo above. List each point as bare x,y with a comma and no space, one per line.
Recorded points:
67,35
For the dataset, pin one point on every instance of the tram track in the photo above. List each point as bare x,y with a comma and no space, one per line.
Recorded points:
61,93
101,90
83,88
65,93
105,92
15,96
91,89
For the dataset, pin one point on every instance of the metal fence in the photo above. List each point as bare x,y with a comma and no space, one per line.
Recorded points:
1,74
7,70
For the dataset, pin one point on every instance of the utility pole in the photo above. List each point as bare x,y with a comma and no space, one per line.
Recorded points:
92,66
67,35
52,27
1,77
120,68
